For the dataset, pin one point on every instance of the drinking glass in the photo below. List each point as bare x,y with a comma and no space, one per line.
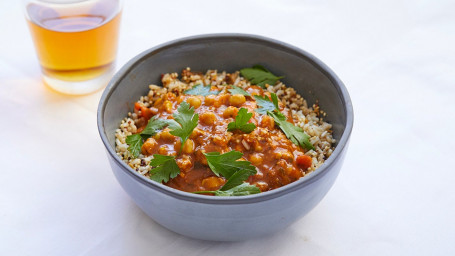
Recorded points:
75,41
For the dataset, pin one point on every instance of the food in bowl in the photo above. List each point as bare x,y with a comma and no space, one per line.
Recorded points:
224,134
234,218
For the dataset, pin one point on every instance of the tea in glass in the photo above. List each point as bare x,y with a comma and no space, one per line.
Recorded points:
76,42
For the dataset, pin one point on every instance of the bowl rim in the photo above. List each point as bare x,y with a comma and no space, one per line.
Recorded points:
225,37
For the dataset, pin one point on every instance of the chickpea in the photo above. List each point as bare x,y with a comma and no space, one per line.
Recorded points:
180,99
167,106
149,146
188,147
256,159
194,101
170,96
237,99
162,150
230,112
158,102
196,133
184,164
267,122
166,135
220,100
208,118
257,147
177,145
283,154
209,100
212,183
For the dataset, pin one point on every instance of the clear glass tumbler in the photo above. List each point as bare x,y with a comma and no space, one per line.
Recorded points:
76,42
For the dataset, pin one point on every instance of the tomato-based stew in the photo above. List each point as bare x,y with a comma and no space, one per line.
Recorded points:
215,128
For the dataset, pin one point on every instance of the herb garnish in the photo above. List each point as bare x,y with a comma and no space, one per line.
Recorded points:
243,189
155,124
259,76
241,122
226,164
200,89
165,168
187,120
235,171
237,179
238,90
134,142
294,133
266,104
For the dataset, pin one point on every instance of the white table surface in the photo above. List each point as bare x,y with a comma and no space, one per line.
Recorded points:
395,194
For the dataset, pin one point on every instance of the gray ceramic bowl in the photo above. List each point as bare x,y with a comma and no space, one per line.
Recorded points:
227,218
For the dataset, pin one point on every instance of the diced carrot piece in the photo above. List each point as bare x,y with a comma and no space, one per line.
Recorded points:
145,111
304,161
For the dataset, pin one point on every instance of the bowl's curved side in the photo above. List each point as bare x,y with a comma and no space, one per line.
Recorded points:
226,222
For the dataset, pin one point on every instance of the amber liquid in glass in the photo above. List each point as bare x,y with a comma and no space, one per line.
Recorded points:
75,44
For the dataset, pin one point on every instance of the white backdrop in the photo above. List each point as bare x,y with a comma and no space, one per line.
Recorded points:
395,194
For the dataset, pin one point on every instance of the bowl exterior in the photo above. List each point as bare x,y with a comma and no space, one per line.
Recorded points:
227,219
226,222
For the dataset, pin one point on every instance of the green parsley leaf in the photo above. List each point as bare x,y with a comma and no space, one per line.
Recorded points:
235,171
266,104
155,124
238,90
226,164
243,189
187,120
165,168
134,144
241,122
294,133
200,89
260,67
237,179
172,124
275,101
259,75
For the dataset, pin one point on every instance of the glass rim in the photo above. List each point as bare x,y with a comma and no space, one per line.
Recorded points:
59,1
67,5
64,2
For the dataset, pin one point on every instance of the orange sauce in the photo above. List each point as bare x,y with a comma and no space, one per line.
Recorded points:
267,148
